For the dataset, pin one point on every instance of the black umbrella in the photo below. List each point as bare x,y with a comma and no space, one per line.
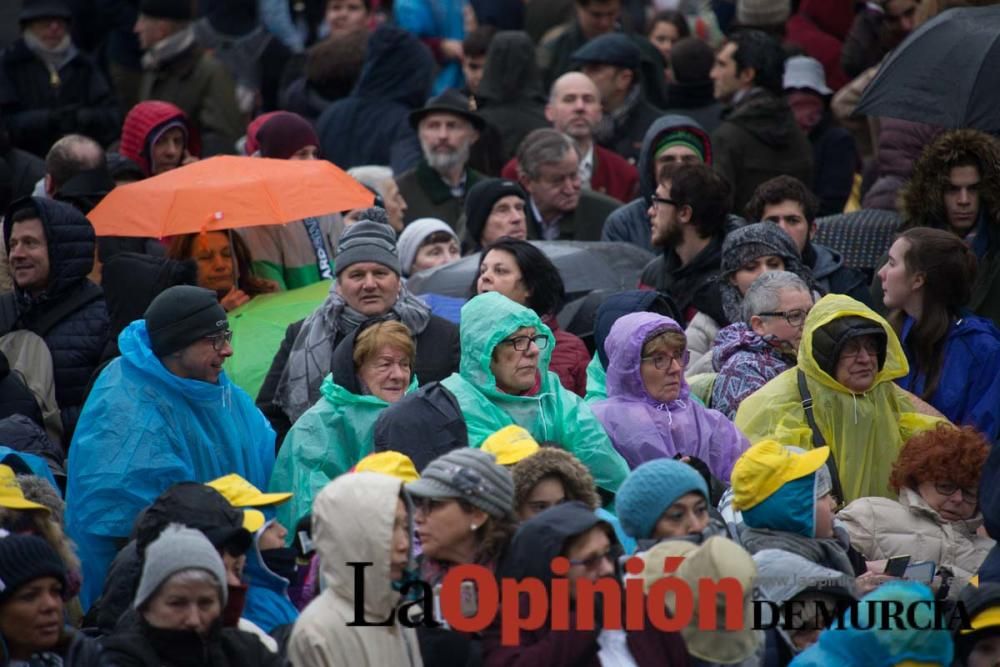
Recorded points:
944,73
584,266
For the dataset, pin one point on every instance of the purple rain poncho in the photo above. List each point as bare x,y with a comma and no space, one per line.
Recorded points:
642,429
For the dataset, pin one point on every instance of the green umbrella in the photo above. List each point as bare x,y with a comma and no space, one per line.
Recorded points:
259,326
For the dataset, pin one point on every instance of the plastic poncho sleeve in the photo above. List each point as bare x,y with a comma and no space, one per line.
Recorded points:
596,379
583,435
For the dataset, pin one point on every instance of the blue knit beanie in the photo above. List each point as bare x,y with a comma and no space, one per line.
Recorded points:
650,489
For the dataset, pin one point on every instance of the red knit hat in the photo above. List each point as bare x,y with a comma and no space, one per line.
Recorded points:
141,124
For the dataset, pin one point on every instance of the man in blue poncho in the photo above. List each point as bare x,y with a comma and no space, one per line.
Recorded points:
163,412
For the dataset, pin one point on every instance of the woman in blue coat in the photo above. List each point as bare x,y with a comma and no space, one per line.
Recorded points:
954,356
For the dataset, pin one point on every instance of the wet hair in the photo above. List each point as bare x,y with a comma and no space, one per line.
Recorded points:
758,50
944,454
672,17
182,248
707,193
477,42
540,276
27,212
949,270
779,189
374,338
664,341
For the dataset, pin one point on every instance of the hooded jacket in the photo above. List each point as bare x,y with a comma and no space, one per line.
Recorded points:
630,223
882,528
140,124
510,94
77,337
535,544
353,522
616,305
744,362
832,276
968,390
923,206
329,438
758,140
864,431
395,78
40,106
136,646
641,427
142,430
552,413
267,603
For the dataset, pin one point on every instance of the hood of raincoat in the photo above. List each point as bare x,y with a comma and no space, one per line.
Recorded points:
790,509
624,350
848,646
864,431
665,125
397,67
511,72
353,518
543,537
142,120
623,303
70,239
267,603
486,320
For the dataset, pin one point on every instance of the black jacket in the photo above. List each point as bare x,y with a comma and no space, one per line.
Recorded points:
628,131
693,287
697,101
396,78
71,315
15,397
438,353
39,111
836,159
433,411
143,646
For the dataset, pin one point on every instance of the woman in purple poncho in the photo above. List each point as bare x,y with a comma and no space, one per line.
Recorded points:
649,413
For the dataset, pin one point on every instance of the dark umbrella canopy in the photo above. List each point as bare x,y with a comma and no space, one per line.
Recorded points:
945,73
584,267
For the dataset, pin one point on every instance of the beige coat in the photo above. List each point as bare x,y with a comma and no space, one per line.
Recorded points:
701,333
881,528
353,520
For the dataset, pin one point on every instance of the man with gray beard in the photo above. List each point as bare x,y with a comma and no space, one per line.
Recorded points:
436,187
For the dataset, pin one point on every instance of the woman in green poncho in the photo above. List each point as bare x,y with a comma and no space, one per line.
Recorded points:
504,379
371,369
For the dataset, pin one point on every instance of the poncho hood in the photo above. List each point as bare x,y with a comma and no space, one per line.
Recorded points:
624,349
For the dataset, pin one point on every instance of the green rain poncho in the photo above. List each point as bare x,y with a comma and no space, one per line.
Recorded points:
553,413
325,442
864,431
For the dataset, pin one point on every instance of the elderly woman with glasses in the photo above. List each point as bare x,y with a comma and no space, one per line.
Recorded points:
649,413
936,516
748,354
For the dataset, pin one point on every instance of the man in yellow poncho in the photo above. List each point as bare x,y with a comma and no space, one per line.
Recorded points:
848,359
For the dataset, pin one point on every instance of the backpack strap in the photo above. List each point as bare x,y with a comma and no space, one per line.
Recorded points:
817,436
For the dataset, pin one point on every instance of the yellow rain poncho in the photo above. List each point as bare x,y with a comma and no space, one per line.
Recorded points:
864,431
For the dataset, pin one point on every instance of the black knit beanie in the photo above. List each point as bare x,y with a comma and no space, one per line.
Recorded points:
479,202
24,558
182,315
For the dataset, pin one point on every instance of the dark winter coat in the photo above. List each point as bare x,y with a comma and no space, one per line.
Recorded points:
630,223
427,196
26,436
395,79
39,109
629,129
830,274
437,357
555,51
585,222
510,95
535,544
75,648
696,101
19,172
900,143
432,411
836,159
77,337
864,45
142,646
758,140
694,287
15,397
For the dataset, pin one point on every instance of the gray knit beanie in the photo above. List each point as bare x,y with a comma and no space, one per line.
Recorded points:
762,12
413,236
471,475
178,548
370,239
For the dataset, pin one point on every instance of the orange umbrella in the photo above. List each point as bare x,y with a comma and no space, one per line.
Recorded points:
227,192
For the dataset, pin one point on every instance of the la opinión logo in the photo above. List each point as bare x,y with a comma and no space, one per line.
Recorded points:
626,605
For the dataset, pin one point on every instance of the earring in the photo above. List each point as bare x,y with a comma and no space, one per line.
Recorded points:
473,527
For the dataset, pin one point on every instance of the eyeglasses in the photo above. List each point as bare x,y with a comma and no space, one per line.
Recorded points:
853,348
795,318
662,362
521,343
969,496
657,200
219,340
594,562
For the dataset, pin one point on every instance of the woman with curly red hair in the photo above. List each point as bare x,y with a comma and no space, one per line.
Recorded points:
937,516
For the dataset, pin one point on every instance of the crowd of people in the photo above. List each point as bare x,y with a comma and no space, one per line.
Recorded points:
278,444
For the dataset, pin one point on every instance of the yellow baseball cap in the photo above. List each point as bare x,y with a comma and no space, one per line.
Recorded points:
390,463
766,467
241,493
11,495
510,444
